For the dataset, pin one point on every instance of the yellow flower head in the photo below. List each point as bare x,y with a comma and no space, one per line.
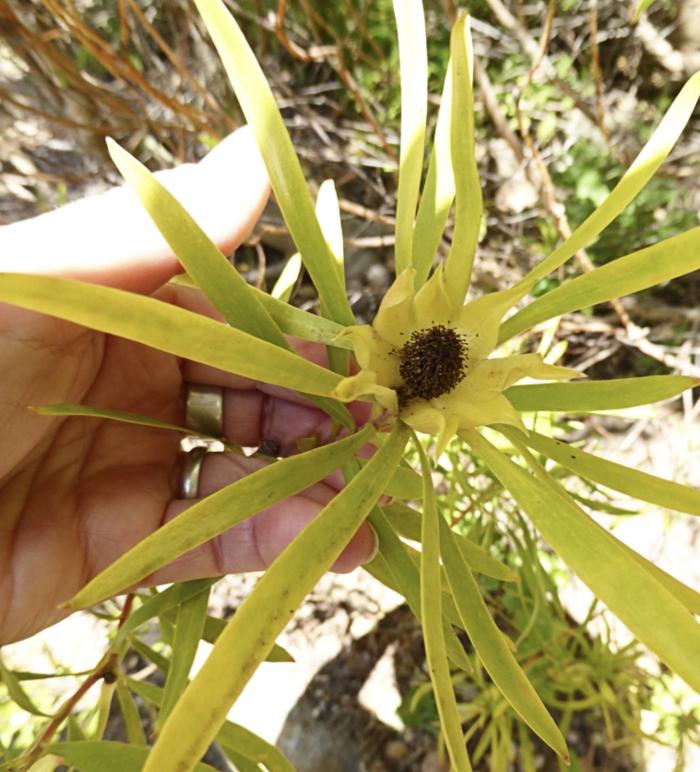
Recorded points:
425,359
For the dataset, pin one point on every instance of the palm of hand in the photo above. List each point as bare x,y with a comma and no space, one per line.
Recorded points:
76,493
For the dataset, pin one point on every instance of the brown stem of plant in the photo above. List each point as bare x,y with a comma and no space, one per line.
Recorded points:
121,67
175,61
367,214
596,69
537,54
334,55
104,669
123,25
65,710
490,100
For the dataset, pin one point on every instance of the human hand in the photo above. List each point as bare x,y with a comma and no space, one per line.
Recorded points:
76,493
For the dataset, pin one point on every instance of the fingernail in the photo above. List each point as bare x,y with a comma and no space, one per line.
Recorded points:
375,548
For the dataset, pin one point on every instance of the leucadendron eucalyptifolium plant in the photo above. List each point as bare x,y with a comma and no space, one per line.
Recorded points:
432,364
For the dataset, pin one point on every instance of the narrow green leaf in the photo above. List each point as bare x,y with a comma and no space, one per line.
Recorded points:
492,648
104,708
468,200
167,633
150,654
213,627
413,63
590,396
66,409
201,258
23,675
286,177
302,324
108,756
166,327
230,736
240,762
250,634
639,270
160,603
438,191
189,628
407,522
218,512
130,713
639,485
284,286
379,569
405,484
47,763
328,214
689,597
145,689
16,692
431,613
649,610
237,737
596,505
290,319
333,408
635,178
73,730
642,5
449,610
634,483
404,578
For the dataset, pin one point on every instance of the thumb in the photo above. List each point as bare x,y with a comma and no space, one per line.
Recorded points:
109,239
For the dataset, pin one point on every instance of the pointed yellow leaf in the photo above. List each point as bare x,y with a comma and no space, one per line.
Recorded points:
249,635
413,62
218,512
283,167
468,199
431,619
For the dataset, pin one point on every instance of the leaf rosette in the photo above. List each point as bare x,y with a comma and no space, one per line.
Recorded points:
431,363
426,359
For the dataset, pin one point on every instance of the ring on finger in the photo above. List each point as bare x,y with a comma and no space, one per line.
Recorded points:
204,414
191,472
204,409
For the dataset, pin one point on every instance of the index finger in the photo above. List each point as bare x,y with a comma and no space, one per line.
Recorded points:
109,239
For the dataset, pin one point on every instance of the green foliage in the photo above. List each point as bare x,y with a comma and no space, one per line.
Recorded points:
503,487
580,676
660,211
642,6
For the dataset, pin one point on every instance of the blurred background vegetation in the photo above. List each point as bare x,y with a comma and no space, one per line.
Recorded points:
566,94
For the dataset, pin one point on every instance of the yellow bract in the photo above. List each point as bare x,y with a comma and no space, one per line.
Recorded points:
477,399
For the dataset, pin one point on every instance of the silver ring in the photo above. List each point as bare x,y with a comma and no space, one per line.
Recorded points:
204,409
204,414
191,470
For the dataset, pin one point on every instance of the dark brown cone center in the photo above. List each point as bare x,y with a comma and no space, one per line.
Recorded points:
433,362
